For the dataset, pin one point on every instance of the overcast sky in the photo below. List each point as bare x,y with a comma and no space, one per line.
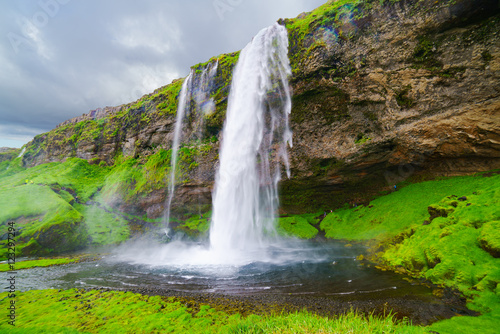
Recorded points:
61,58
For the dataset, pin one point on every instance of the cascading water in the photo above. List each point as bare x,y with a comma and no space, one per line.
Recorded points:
202,94
254,146
199,91
241,259
254,140
184,96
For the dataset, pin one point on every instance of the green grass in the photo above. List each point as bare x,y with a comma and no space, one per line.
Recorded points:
39,212
298,226
73,197
168,96
389,215
77,311
76,174
196,225
103,227
37,263
445,231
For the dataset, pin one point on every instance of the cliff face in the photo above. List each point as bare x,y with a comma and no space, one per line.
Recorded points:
400,90
382,92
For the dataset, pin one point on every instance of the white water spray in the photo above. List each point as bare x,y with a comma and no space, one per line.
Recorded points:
254,141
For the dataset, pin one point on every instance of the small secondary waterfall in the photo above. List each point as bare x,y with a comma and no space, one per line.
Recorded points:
254,143
184,96
198,90
201,94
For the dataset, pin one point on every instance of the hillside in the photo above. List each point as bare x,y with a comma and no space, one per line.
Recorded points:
383,92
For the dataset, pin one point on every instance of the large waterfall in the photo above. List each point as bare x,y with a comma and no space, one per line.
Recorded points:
253,149
254,144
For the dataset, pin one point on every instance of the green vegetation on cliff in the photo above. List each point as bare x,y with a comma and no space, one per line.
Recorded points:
61,207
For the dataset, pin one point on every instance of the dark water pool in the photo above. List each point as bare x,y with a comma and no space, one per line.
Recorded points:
325,277
316,270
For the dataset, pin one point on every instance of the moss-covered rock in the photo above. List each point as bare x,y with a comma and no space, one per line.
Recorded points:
298,226
489,238
437,210
7,154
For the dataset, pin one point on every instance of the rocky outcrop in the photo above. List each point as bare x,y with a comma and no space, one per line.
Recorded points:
382,92
413,90
7,153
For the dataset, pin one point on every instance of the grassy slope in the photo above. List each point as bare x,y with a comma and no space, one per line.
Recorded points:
77,311
300,226
47,196
74,192
453,251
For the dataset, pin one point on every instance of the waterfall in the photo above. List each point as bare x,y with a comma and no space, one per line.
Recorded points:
198,90
254,144
202,94
184,96
253,148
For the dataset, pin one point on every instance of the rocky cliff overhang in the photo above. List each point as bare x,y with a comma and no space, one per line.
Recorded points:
383,91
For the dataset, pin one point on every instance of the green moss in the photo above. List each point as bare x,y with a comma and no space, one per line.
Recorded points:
482,32
19,265
455,251
403,99
445,231
104,228
196,226
400,210
298,226
9,155
361,138
167,97
41,214
79,311
425,54
489,238
214,122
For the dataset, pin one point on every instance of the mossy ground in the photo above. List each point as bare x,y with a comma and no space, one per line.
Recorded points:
444,231
19,265
78,311
196,226
301,226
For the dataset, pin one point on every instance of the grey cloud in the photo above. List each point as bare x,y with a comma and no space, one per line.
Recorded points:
77,55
